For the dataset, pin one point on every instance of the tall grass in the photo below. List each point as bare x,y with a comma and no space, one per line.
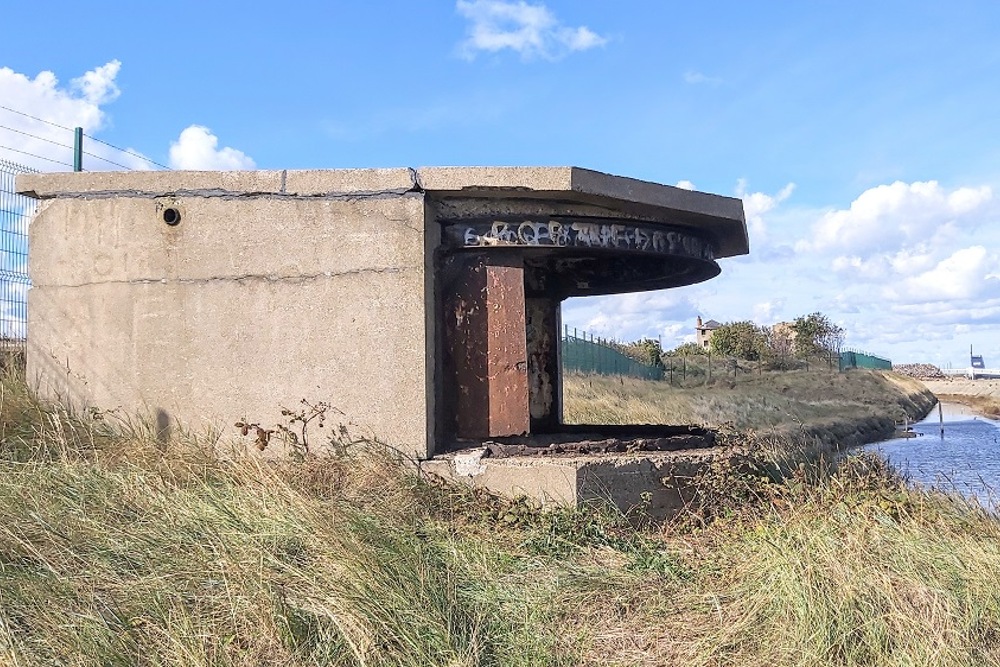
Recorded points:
120,548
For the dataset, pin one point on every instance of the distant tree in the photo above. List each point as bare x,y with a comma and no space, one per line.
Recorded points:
646,351
744,340
780,345
816,334
686,350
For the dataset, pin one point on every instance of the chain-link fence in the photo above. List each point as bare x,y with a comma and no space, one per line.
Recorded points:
585,353
15,212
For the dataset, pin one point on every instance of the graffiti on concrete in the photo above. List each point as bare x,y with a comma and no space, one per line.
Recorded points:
580,234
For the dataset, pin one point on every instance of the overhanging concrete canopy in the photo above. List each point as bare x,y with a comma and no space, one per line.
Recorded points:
719,216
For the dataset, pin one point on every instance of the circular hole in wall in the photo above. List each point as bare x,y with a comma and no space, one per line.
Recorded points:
171,216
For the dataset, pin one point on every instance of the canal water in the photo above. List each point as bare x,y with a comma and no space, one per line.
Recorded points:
966,459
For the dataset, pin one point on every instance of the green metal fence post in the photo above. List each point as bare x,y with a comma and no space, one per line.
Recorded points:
78,149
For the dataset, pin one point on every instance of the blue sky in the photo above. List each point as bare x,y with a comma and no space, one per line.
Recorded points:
862,136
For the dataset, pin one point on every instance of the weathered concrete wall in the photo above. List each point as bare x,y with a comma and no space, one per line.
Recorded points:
274,287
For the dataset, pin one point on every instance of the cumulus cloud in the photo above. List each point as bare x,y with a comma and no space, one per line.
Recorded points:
890,217
666,314
911,263
47,144
767,312
197,149
98,85
531,30
966,274
756,204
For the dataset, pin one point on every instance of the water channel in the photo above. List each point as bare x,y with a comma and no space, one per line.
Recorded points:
966,459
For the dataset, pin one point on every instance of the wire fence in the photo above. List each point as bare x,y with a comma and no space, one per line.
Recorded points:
28,138
699,368
15,212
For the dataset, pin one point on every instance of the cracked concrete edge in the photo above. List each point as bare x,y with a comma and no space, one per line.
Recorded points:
545,180
241,278
397,180
233,184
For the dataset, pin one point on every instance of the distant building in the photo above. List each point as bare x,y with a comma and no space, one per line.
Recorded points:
783,338
703,332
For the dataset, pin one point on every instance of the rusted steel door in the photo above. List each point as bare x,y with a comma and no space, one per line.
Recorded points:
485,332
542,334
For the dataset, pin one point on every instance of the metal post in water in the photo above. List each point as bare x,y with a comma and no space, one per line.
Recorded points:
941,419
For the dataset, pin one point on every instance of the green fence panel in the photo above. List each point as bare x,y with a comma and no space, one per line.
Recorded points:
595,356
859,359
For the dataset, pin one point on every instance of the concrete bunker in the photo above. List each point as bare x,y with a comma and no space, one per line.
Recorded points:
504,272
422,303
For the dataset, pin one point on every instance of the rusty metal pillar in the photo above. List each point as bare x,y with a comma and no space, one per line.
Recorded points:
485,328
543,324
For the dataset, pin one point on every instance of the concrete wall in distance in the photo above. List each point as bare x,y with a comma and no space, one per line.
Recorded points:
275,287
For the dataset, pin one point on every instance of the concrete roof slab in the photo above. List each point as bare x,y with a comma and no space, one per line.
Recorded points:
349,181
721,217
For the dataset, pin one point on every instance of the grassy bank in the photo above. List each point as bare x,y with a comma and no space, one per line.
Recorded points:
838,408
116,549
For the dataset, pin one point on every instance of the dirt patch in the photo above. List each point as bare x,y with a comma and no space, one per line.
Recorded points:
576,440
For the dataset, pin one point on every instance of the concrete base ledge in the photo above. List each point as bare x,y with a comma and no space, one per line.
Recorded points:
657,484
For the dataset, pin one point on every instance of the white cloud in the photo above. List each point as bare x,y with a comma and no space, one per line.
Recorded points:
47,144
889,217
666,314
98,85
964,275
197,149
685,185
756,204
696,77
531,30
767,312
